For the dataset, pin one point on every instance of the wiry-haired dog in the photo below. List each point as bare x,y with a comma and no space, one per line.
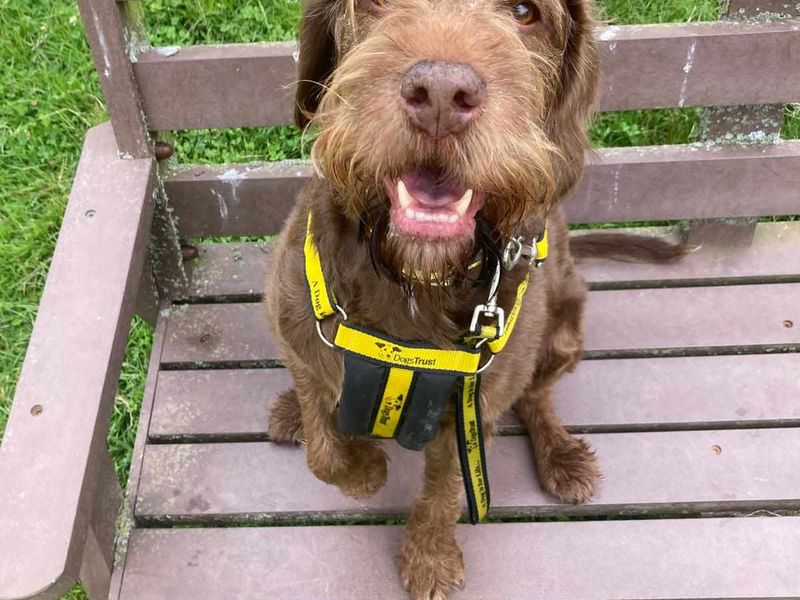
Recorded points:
445,128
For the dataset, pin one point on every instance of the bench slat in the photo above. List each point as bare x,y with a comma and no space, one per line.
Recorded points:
239,270
644,66
601,396
637,322
661,472
648,183
611,560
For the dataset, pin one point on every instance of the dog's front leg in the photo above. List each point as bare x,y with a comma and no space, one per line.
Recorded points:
356,466
430,560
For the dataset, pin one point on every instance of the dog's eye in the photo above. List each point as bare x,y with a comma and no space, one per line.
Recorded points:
379,3
526,13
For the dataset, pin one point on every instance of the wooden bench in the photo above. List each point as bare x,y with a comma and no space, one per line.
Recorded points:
690,392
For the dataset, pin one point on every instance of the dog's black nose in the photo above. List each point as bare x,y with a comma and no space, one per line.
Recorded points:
442,97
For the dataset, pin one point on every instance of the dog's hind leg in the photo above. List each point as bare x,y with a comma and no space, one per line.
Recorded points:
357,466
566,466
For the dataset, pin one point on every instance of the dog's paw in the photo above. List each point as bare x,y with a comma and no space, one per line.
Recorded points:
363,472
568,469
430,566
285,425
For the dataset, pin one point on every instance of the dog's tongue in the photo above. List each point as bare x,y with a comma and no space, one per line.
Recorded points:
431,189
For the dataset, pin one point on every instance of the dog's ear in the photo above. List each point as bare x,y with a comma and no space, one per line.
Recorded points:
577,92
317,58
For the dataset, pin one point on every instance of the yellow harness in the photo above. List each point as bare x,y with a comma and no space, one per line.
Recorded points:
398,389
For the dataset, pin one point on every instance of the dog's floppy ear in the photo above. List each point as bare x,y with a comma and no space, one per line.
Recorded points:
317,58
577,93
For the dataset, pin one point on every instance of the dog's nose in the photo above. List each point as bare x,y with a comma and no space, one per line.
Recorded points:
442,97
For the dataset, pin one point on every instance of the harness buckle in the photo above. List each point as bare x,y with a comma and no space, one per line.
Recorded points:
516,250
494,312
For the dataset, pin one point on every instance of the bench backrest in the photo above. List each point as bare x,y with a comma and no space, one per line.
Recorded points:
740,169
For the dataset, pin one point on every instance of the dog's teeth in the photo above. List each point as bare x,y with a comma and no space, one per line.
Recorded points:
452,218
402,194
462,205
410,213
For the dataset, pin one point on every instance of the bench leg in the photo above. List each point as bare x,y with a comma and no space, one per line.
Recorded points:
98,554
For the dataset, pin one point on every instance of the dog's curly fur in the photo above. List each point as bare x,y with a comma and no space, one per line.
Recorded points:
526,151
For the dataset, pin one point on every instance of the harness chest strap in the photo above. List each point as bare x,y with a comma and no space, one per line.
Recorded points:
401,366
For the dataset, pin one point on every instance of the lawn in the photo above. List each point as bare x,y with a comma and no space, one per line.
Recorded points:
49,96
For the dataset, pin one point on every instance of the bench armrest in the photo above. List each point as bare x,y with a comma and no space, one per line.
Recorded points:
52,455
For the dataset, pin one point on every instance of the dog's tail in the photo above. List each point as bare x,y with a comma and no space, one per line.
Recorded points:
626,247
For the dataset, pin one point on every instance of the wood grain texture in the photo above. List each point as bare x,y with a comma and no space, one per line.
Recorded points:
104,30
644,66
613,560
51,456
604,395
620,184
239,270
654,472
646,321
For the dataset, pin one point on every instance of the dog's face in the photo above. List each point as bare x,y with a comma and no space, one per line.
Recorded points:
437,115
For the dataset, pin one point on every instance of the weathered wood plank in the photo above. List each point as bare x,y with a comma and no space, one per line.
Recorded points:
693,318
622,184
639,321
232,404
104,31
605,560
51,456
608,395
644,66
661,472
239,269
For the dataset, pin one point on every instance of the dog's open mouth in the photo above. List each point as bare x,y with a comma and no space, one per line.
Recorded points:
427,204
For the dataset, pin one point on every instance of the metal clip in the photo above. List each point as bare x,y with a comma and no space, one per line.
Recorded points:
517,250
512,253
492,311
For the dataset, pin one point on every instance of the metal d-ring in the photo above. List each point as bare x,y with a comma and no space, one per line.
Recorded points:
486,366
321,333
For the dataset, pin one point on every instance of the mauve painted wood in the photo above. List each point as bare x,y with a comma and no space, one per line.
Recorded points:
644,66
692,318
219,402
104,30
621,184
715,559
50,464
239,269
214,333
234,85
653,472
126,515
601,395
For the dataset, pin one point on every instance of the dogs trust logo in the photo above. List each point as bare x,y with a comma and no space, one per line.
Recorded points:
394,355
389,406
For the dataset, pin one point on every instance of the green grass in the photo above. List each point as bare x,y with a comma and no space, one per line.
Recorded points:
49,96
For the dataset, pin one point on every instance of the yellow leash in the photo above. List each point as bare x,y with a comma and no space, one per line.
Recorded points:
399,389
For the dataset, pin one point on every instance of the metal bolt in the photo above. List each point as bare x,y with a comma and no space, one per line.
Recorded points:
788,324
204,338
189,252
164,150
37,409
716,449
90,213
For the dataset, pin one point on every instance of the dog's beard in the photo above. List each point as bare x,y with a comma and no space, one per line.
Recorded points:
430,266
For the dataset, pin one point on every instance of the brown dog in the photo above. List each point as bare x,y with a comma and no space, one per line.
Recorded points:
445,128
